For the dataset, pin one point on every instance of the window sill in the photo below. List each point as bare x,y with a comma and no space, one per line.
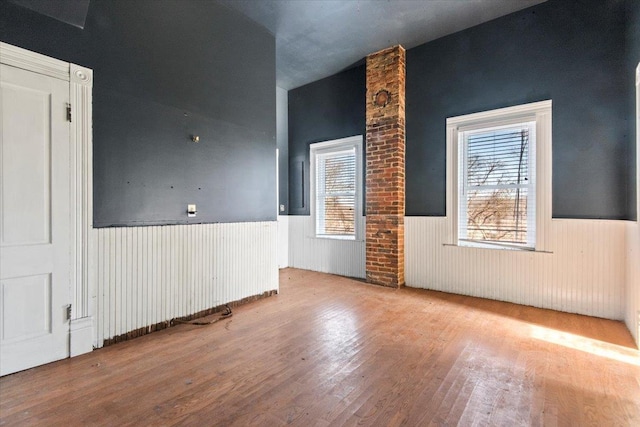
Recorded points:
338,238
492,247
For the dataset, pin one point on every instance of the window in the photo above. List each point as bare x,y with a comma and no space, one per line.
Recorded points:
336,187
499,166
497,185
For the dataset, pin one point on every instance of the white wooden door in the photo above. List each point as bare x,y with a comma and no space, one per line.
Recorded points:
35,257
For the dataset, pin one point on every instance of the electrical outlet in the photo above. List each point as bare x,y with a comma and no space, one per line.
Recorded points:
191,211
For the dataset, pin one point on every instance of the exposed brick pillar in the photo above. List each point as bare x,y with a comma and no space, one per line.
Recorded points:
385,167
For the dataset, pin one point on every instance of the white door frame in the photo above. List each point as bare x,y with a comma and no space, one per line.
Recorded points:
80,186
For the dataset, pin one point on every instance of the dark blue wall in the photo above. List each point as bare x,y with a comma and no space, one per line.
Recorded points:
633,59
569,51
165,70
328,109
572,52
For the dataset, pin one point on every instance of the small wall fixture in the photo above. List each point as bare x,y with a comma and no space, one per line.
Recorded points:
382,98
195,138
191,211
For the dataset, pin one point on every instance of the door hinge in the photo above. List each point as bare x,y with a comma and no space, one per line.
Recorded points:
69,312
69,112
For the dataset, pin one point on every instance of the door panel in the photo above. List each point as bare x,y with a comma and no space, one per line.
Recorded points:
33,320
34,219
31,192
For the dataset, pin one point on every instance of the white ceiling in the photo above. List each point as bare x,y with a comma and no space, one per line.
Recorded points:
318,38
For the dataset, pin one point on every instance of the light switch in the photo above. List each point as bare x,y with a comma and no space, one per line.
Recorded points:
191,211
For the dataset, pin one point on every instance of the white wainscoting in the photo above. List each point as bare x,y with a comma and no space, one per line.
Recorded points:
148,275
632,314
585,273
343,257
283,241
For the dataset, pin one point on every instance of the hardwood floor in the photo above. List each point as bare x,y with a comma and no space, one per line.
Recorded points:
334,351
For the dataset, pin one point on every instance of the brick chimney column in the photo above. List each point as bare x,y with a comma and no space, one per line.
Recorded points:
385,147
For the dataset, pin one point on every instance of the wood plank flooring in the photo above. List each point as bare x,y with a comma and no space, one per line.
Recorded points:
331,351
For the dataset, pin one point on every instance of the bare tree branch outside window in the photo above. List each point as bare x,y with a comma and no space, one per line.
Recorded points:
497,186
336,197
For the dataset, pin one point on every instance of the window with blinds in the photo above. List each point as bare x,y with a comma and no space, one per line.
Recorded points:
335,193
497,185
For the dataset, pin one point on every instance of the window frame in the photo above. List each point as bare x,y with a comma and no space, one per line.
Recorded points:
538,112
334,147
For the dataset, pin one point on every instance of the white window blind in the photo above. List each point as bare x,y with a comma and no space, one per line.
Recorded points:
336,193
497,185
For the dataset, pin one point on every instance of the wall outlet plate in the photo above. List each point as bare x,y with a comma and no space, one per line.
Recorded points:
191,211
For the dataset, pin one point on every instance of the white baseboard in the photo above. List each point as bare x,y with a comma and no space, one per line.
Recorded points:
81,336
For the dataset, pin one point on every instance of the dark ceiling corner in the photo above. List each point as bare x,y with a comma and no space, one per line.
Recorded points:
72,12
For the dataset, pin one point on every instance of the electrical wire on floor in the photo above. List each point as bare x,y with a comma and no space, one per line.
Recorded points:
227,313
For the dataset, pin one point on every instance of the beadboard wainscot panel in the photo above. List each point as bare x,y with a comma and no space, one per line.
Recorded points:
632,314
283,241
148,275
335,256
584,271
